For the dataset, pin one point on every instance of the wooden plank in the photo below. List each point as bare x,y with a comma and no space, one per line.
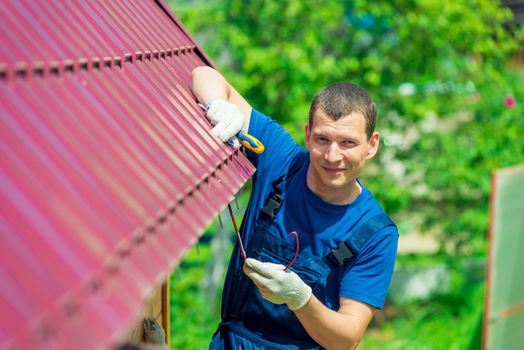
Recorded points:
154,306
166,307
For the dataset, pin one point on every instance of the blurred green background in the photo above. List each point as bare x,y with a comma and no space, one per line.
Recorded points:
448,79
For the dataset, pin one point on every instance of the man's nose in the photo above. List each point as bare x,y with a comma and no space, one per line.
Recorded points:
333,153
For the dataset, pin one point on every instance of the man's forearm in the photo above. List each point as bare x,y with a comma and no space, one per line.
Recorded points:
209,85
332,329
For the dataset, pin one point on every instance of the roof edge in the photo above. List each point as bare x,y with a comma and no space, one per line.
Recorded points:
203,56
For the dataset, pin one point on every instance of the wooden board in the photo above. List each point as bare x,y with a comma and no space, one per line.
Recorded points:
157,306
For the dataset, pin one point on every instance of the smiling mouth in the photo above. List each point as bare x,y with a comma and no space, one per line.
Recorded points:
333,170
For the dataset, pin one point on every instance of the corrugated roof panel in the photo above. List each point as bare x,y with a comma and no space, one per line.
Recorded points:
56,31
108,168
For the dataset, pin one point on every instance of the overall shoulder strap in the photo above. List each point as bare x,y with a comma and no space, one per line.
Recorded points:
275,199
357,239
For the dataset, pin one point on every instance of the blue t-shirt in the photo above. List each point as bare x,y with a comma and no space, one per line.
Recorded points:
321,226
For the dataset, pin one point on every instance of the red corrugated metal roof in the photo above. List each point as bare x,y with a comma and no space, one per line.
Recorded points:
108,169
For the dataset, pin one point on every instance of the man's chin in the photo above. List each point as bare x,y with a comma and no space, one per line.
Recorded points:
335,184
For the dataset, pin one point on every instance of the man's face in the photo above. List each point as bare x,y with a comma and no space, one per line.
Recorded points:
338,151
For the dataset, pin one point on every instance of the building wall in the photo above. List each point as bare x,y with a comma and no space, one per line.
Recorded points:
156,306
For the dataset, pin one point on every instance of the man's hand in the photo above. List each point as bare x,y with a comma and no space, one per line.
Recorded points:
226,117
276,285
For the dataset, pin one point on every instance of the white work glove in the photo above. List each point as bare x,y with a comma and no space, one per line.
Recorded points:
226,118
276,285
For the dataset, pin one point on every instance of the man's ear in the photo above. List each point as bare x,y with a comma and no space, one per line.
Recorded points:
307,132
373,143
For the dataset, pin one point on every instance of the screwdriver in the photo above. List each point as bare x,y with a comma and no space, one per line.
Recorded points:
249,141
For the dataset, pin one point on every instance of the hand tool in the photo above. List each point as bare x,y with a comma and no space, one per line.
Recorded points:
249,141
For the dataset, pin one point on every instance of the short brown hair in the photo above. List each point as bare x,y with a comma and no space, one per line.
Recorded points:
338,100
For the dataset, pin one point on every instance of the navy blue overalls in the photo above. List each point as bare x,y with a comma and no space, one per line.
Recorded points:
251,322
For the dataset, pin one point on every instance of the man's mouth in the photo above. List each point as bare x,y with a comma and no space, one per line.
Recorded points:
333,171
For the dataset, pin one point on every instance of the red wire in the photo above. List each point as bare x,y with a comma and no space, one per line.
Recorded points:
293,233
242,251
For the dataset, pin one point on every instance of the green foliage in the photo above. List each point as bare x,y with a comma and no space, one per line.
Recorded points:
447,321
278,54
193,319
438,71
451,111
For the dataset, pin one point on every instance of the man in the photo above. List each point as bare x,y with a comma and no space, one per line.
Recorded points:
328,296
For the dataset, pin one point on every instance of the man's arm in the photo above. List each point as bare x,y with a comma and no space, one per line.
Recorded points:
209,85
332,329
